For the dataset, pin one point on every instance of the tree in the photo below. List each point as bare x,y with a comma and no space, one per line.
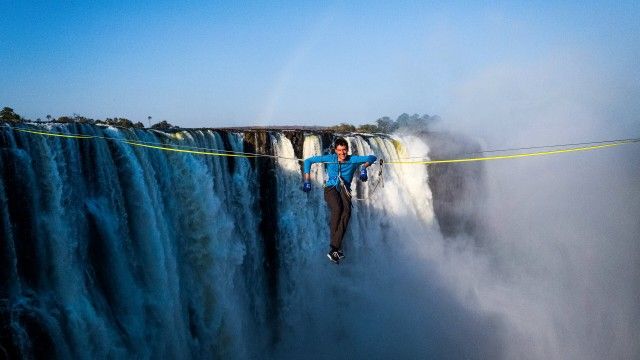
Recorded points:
368,128
82,120
48,117
7,114
404,120
64,119
119,122
386,125
343,128
162,125
414,122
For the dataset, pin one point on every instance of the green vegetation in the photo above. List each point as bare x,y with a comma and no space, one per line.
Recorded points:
7,115
162,125
343,128
386,125
116,121
368,128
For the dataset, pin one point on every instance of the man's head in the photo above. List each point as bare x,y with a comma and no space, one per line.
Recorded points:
341,147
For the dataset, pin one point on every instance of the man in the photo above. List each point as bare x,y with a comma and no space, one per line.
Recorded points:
337,189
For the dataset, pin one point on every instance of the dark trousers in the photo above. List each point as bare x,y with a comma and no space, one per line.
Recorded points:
339,203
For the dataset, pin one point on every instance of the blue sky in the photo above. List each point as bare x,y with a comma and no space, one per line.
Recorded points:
298,63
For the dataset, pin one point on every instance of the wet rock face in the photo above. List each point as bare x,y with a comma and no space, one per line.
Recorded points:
327,141
257,142
297,139
458,188
231,161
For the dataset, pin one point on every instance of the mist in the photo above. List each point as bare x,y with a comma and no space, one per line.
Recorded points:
560,260
553,271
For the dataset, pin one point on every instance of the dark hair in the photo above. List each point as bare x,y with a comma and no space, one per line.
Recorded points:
340,141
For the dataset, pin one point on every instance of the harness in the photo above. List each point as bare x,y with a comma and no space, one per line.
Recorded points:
343,187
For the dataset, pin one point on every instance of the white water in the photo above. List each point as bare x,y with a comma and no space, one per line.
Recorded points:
139,253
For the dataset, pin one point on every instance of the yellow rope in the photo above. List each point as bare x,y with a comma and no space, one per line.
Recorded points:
55,134
245,155
135,143
540,153
188,151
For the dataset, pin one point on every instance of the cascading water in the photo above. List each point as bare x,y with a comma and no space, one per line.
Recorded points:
115,251
123,252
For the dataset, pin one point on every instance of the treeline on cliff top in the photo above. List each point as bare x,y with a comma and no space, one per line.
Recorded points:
384,125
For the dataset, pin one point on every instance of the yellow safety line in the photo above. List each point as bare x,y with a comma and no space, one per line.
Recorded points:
54,134
188,151
540,153
134,143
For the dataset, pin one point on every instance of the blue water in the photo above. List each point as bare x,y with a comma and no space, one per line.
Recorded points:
115,251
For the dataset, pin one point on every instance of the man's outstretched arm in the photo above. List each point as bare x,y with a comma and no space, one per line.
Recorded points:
307,169
367,161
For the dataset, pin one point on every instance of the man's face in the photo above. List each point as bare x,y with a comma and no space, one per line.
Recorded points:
341,151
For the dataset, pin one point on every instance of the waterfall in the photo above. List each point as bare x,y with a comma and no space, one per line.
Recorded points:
111,250
124,251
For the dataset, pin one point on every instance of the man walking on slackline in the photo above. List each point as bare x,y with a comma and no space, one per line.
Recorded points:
337,189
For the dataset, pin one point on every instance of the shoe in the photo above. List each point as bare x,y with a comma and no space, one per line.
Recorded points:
340,255
333,256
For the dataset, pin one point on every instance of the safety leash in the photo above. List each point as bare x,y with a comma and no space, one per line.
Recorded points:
375,186
226,153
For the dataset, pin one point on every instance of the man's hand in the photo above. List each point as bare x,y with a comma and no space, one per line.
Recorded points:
306,187
363,174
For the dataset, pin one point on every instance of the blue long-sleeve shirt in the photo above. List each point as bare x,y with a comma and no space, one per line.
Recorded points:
334,168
